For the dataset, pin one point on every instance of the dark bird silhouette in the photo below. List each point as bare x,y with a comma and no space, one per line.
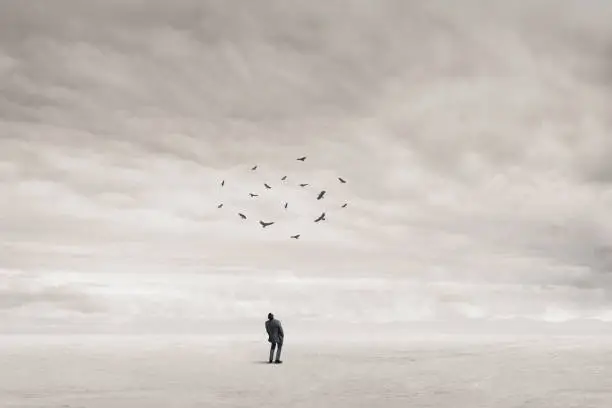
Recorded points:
301,158
344,205
342,180
284,178
253,195
267,186
303,184
254,168
220,205
242,216
222,183
295,236
321,194
321,218
265,224
286,204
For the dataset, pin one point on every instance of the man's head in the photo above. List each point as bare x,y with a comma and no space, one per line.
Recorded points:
270,316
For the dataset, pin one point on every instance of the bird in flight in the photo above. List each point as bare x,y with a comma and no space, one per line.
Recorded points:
321,218
295,236
286,204
222,183
284,178
242,216
321,194
267,186
342,180
254,195
220,205
344,205
303,184
265,224
254,168
301,158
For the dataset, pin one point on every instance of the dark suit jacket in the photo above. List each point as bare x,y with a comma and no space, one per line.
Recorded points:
275,331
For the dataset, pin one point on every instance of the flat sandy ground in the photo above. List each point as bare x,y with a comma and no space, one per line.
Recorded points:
155,371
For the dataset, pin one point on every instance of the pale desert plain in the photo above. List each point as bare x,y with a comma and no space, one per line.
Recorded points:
464,258
200,371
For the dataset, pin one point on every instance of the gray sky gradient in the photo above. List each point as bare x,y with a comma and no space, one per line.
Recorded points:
474,135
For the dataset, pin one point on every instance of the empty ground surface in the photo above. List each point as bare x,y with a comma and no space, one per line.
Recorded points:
164,371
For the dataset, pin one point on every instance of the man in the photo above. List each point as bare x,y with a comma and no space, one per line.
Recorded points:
275,337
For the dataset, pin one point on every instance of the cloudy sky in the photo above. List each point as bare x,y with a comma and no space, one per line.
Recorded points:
475,137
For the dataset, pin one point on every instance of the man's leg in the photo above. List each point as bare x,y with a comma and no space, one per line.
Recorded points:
272,347
278,351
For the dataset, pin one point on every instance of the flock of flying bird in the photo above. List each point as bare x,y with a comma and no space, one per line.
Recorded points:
268,187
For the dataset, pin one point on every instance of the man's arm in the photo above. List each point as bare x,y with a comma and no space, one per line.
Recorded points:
280,329
267,328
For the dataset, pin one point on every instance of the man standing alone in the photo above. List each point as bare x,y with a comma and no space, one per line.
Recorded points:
275,337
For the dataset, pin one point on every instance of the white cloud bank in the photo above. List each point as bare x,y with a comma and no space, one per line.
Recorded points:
474,135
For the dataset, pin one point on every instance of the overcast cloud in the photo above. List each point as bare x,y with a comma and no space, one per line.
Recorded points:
475,137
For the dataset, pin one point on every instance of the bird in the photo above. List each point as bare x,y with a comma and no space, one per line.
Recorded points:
321,194
284,178
321,217
301,158
295,236
222,183
267,186
254,168
265,224
344,205
253,195
242,216
220,205
342,180
286,204
303,184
